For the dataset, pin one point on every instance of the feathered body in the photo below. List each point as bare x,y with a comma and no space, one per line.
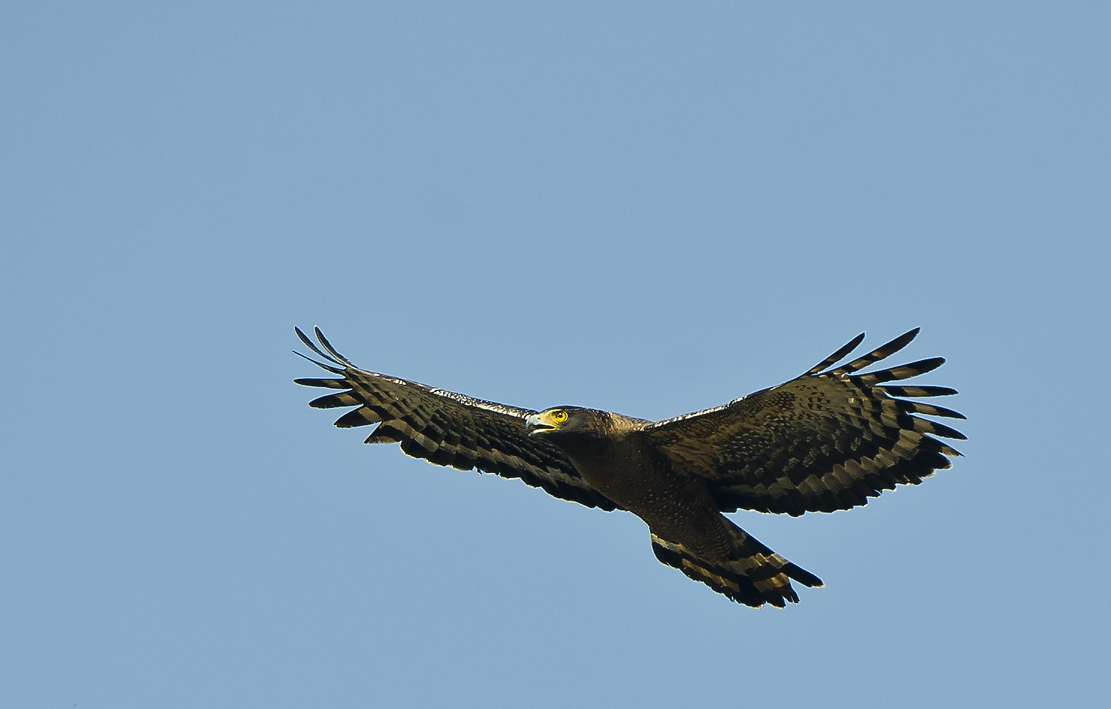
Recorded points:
824,441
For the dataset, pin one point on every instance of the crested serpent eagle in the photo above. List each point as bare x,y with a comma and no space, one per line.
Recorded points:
827,440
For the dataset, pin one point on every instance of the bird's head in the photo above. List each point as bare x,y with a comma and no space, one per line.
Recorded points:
563,423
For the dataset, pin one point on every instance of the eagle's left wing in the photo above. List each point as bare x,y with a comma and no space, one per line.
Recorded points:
825,441
446,428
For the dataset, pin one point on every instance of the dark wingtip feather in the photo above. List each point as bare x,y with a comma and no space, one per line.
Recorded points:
802,576
361,416
950,432
330,368
330,348
879,353
326,383
914,392
949,451
937,429
837,355
903,340
303,336
915,407
905,371
334,401
925,365
312,346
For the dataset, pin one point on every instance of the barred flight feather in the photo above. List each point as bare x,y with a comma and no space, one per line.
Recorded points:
486,435
808,429
749,573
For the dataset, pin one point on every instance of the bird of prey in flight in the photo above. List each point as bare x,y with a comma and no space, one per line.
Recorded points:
826,440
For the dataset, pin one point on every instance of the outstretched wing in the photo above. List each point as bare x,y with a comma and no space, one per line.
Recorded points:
446,428
825,441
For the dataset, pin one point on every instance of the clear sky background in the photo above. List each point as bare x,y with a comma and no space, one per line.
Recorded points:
646,207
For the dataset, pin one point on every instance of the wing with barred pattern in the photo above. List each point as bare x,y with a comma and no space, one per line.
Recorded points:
825,441
446,428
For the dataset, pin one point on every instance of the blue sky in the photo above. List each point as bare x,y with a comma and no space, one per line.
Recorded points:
645,207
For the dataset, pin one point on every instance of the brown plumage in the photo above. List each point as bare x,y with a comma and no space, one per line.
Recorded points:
825,441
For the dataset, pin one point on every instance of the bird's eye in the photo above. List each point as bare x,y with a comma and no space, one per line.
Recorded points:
559,415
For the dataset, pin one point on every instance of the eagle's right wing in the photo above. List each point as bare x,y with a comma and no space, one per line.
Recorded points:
446,428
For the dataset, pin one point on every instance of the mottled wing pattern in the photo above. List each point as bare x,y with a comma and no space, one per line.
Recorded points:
825,441
446,428
753,574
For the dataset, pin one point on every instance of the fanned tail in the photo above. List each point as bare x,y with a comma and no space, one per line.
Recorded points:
751,574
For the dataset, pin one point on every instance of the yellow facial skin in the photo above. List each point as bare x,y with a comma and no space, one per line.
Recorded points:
545,421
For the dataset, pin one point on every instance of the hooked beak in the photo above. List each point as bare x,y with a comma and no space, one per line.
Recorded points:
538,423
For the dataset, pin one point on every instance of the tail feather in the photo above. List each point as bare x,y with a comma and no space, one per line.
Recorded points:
751,573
